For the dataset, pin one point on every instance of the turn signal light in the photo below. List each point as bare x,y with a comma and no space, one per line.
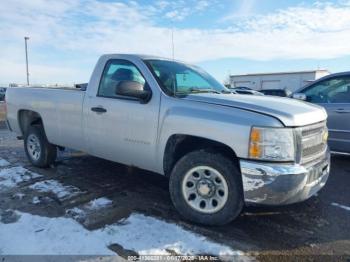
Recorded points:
255,148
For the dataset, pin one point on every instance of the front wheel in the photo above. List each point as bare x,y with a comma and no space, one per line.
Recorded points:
38,150
206,188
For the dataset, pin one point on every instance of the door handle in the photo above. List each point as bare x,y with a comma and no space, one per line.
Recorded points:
98,109
342,111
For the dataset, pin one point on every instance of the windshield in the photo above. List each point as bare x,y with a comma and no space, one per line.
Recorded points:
177,78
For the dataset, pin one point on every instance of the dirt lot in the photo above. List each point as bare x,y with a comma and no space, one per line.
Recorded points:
319,227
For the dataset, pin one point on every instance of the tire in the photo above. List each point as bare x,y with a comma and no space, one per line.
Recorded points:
215,165
38,150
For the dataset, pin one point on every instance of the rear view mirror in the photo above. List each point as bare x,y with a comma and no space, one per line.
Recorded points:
299,96
133,89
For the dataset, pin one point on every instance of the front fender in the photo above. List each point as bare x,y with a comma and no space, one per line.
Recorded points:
226,125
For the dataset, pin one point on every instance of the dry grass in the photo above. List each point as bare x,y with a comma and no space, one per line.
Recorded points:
2,111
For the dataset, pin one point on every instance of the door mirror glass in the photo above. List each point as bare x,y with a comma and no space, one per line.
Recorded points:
132,89
300,96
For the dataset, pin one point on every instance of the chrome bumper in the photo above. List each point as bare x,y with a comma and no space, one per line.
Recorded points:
279,184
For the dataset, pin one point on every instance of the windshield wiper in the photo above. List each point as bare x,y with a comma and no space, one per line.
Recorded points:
203,90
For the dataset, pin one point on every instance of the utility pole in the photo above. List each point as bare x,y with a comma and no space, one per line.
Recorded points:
172,40
26,38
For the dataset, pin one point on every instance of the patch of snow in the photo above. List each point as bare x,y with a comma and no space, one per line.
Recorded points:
36,235
55,187
4,162
80,214
151,236
98,203
36,200
19,195
76,213
11,177
341,206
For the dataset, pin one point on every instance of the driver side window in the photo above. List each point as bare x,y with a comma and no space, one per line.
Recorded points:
116,71
335,90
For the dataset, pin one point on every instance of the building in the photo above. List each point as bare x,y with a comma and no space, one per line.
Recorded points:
282,80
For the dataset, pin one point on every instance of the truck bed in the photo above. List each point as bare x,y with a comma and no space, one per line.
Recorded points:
60,109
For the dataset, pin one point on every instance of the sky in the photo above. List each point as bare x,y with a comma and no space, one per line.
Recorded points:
222,36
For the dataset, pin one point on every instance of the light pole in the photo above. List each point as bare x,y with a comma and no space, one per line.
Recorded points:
26,38
172,42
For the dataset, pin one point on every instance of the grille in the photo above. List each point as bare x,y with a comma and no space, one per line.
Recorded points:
313,145
313,150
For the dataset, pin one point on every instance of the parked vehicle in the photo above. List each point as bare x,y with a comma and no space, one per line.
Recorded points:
82,86
2,93
277,92
246,91
242,88
333,93
220,150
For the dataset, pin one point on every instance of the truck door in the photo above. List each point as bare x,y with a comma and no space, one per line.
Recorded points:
121,128
334,95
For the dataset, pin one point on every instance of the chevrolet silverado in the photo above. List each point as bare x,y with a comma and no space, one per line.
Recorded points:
220,150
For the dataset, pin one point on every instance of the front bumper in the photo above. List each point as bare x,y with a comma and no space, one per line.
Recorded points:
280,184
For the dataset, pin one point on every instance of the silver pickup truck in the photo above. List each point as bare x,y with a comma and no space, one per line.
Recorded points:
220,150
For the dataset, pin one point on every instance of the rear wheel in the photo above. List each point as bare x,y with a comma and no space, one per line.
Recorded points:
206,188
38,150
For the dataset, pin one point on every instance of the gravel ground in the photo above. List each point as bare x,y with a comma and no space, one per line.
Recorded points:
318,228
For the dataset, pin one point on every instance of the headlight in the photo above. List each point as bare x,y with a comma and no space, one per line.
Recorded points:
275,144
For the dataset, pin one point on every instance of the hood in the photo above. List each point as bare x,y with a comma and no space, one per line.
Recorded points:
290,112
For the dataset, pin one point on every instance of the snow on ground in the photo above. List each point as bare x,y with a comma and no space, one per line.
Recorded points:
151,236
36,200
4,162
19,195
98,203
55,187
34,235
94,205
76,213
10,177
341,206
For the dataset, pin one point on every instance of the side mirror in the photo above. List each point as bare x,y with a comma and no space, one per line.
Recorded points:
300,96
133,89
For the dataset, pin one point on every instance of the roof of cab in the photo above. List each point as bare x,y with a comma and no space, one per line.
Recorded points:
140,56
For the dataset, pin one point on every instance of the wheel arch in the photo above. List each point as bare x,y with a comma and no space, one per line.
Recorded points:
27,118
179,145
